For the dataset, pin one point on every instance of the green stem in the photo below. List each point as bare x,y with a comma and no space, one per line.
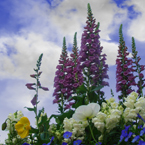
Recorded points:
37,98
92,133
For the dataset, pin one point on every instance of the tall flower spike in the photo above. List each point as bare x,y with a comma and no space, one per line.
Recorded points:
77,74
76,78
124,75
90,57
62,80
138,68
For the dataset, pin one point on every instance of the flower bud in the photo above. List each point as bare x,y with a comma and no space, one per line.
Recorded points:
4,126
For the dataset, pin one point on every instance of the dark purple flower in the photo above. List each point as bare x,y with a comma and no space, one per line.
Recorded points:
123,82
34,100
29,86
45,88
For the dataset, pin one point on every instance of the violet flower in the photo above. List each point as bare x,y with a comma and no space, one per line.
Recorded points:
124,75
138,68
91,58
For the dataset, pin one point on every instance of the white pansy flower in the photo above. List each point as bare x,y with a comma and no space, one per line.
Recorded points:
85,112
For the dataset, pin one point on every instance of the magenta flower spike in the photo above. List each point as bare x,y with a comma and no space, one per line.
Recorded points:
63,79
90,56
138,69
124,70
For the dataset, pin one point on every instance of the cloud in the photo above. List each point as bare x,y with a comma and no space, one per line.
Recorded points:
136,28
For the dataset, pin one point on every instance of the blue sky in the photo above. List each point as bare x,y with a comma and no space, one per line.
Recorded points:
31,27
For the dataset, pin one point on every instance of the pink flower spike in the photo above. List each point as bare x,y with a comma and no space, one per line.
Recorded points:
45,89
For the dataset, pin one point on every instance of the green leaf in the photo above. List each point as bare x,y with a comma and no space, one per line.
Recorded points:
81,89
97,88
80,100
31,109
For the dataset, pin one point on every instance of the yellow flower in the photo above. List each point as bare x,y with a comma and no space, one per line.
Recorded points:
23,127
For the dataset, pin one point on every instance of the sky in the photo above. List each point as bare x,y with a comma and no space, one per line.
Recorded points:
31,27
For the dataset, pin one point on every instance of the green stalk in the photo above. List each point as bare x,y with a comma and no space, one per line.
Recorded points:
37,98
92,133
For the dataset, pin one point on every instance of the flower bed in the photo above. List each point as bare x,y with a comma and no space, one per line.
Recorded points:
85,116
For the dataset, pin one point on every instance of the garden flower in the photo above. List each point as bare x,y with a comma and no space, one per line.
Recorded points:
139,68
63,79
77,76
67,134
85,112
124,69
34,100
29,86
23,127
91,57
77,142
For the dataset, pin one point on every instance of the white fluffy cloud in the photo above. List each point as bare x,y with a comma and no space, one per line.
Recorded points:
137,28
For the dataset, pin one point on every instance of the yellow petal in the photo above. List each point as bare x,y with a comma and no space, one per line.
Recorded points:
23,134
28,127
24,120
19,127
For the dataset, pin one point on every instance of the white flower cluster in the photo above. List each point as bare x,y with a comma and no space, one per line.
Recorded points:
13,117
76,127
109,116
134,106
